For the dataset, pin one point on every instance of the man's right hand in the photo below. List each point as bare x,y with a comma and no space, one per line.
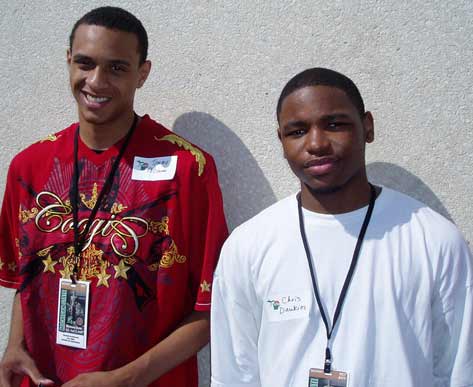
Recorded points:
16,364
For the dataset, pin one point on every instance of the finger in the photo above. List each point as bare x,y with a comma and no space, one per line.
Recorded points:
5,378
30,369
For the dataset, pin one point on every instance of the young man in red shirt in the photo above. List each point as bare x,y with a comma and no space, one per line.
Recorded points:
110,231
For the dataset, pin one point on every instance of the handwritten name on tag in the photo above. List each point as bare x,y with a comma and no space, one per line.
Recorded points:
287,306
154,169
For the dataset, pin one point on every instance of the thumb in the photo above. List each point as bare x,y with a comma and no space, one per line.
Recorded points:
30,369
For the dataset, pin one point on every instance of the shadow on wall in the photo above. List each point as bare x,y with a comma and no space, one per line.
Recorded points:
244,187
393,176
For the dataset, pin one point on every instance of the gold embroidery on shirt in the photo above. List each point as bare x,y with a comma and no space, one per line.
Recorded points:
130,261
117,208
50,137
103,278
205,286
179,141
67,263
12,266
162,226
90,203
26,215
49,264
1,263
92,263
170,256
121,269
44,252
66,272
17,244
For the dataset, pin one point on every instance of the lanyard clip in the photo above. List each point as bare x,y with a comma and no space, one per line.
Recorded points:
74,274
328,361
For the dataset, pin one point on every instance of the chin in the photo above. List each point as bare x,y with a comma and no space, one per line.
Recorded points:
324,190
96,119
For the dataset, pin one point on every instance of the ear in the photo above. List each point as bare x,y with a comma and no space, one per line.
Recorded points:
144,71
68,56
280,140
368,125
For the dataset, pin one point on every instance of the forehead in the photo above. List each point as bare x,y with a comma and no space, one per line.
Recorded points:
316,101
105,43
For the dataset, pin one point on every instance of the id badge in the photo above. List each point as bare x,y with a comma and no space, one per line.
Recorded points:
317,378
72,313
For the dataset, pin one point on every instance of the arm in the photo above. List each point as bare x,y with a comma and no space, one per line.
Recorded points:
16,362
188,338
234,328
452,326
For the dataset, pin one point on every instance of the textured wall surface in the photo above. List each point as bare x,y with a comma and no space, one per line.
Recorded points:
218,68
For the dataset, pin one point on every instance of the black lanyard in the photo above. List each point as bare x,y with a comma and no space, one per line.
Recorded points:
346,284
79,237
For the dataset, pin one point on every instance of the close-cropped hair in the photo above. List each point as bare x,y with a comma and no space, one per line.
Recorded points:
115,18
319,76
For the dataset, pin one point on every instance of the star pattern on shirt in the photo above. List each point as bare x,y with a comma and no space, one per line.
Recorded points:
12,266
49,264
205,287
103,278
121,269
1,263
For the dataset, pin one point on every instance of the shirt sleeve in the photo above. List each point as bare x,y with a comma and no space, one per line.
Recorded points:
452,310
234,327
9,239
205,229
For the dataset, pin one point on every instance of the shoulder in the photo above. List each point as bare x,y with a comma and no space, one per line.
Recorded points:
426,229
41,149
418,215
264,227
165,142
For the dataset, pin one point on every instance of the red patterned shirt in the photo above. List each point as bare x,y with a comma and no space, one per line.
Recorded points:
149,255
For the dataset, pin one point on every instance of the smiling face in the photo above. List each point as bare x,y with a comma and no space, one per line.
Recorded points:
323,137
104,73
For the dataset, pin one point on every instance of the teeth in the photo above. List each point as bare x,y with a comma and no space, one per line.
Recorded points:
91,98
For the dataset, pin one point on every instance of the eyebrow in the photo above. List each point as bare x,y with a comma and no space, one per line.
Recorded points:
295,124
80,57
335,116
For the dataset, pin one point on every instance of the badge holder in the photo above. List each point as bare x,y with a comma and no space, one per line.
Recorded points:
318,378
72,313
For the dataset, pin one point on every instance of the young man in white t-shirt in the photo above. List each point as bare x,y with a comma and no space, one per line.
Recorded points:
345,283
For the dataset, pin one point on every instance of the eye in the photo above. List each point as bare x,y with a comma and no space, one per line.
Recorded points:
117,68
337,125
85,65
295,132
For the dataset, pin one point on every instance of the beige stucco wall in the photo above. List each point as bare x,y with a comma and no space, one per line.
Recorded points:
218,68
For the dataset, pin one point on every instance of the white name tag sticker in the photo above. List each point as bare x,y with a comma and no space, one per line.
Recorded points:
72,313
287,306
154,168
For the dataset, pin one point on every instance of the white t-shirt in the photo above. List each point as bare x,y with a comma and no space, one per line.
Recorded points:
407,319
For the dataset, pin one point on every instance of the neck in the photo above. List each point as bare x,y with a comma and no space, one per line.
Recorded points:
345,199
103,136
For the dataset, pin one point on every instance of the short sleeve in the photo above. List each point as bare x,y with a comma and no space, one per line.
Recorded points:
203,229
9,236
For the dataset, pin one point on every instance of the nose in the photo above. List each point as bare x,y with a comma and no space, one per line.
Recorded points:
317,141
97,78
